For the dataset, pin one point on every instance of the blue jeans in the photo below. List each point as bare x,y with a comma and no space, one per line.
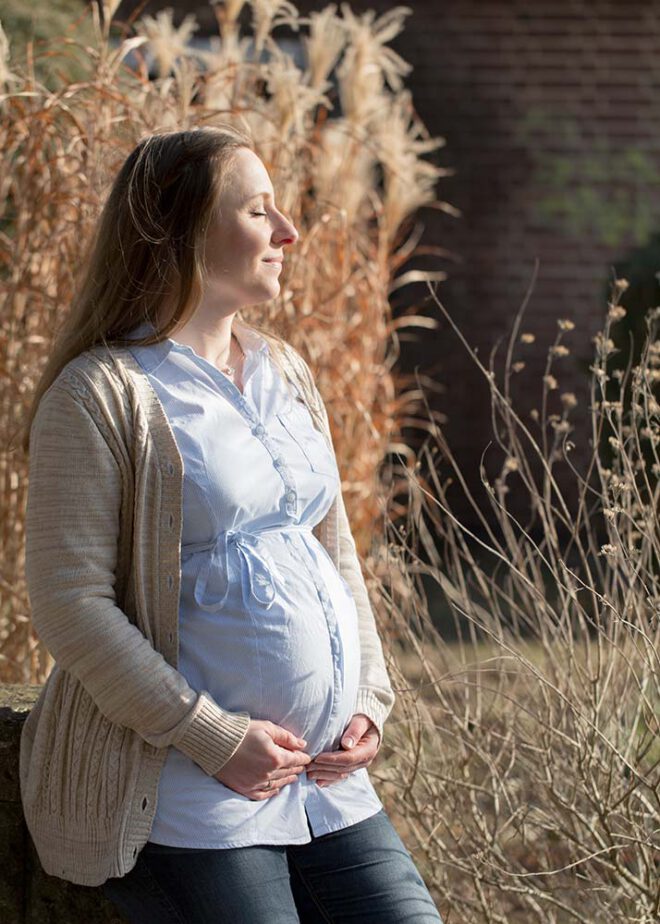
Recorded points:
362,874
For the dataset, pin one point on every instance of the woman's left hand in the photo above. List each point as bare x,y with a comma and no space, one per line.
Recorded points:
331,766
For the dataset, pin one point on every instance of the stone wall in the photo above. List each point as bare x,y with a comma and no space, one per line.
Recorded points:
27,894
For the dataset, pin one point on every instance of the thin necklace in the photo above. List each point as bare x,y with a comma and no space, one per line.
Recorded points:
230,370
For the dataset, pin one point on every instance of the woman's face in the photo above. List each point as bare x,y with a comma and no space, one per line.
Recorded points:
247,231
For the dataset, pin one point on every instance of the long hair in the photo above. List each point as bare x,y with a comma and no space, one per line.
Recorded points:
145,259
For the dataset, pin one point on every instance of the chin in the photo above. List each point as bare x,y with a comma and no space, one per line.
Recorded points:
264,294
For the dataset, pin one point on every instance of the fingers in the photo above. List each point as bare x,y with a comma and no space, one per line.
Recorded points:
285,772
278,778
277,782
327,779
325,775
291,758
284,738
358,726
365,750
317,771
361,754
259,794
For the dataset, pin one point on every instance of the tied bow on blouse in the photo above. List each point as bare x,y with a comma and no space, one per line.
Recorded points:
258,571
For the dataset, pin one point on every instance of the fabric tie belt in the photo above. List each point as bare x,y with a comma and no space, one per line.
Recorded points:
259,574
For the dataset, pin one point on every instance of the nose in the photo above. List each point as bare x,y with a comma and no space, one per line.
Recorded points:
289,232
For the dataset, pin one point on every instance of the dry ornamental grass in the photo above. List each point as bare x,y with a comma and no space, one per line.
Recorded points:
61,148
528,744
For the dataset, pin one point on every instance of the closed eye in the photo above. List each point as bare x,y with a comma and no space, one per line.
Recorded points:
258,213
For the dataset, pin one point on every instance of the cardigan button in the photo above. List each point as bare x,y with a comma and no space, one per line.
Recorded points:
170,467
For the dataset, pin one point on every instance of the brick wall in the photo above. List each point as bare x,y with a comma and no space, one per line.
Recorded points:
550,113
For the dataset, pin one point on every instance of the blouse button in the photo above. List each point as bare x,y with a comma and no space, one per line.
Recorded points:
258,430
290,495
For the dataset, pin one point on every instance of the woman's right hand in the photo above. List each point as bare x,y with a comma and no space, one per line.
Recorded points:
267,752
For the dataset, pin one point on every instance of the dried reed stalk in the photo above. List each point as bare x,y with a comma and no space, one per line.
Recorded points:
524,752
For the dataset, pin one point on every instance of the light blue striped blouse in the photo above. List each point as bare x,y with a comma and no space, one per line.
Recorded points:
266,622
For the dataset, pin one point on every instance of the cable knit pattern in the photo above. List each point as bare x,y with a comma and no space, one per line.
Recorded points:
103,533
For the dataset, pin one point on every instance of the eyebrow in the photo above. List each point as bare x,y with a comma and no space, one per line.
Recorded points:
259,195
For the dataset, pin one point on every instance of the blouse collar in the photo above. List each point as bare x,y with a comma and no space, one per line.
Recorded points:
152,355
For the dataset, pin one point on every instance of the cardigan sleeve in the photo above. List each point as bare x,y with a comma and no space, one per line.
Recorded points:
375,694
72,534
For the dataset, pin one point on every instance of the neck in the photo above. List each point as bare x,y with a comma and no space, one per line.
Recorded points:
211,338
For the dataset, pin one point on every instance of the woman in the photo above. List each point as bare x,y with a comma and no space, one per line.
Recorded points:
200,748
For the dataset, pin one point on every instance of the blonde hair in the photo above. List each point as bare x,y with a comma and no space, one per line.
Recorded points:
147,248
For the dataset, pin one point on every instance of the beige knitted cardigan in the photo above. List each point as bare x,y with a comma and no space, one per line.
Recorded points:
103,532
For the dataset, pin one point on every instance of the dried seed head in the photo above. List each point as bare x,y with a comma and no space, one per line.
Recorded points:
604,345
616,312
561,426
600,374
609,550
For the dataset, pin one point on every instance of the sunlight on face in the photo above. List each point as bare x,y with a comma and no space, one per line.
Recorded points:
247,230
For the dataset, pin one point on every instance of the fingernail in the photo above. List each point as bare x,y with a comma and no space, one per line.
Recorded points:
349,742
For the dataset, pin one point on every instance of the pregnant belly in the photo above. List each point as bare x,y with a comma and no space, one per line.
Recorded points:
295,662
